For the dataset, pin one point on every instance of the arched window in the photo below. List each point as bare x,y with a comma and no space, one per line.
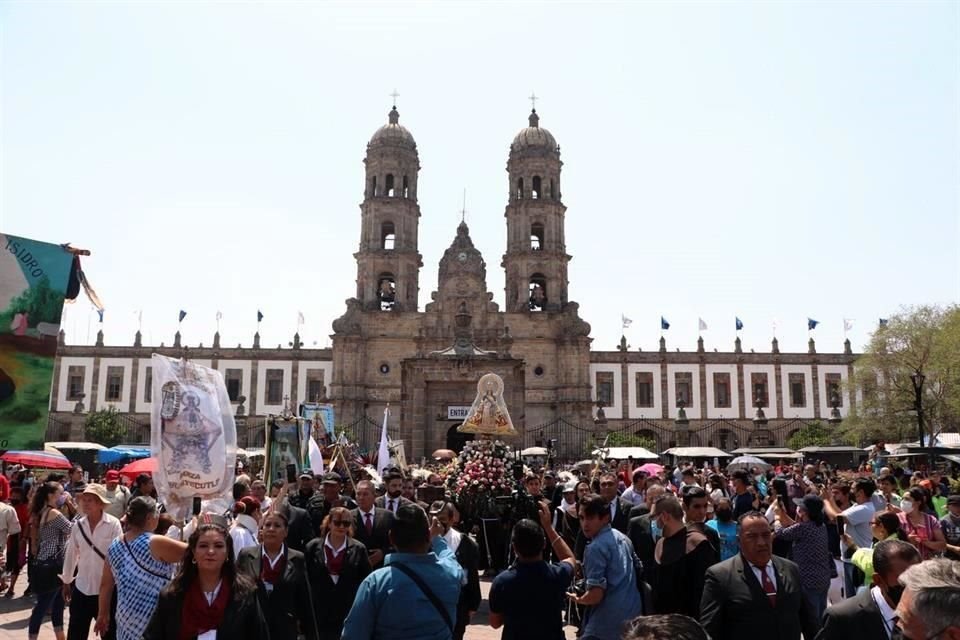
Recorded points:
550,193
535,194
406,187
536,236
373,187
519,188
538,292
388,186
386,291
388,236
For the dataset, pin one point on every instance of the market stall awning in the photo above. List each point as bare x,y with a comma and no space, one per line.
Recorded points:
79,446
697,452
622,453
120,453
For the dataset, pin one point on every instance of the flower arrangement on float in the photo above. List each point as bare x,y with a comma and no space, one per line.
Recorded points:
482,467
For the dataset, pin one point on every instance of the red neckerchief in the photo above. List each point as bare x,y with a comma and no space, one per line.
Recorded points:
268,574
334,560
198,615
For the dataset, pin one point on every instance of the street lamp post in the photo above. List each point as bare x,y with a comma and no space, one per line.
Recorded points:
918,379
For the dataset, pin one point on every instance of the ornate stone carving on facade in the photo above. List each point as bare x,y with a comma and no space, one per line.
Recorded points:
349,322
572,325
463,345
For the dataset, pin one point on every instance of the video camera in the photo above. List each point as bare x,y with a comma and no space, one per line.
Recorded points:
519,503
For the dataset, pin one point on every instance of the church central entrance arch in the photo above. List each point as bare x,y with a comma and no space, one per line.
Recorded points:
455,439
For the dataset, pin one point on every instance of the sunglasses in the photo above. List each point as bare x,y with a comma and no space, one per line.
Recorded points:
341,523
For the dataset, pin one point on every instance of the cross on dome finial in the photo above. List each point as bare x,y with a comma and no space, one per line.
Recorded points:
394,95
533,101
463,211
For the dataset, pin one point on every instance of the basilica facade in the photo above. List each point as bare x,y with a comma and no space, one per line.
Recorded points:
425,363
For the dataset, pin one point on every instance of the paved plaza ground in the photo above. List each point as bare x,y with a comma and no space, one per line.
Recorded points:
15,613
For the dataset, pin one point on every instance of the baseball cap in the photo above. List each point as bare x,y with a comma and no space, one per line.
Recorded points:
306,473
954,499
97,490
113,476
331,478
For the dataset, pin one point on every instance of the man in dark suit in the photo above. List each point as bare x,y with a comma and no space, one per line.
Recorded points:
619,509
872,613
393,499
372,525
644,533
755,594
468,555
299,528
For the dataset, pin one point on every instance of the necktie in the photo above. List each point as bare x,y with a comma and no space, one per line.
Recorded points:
369,523
768,586
393,508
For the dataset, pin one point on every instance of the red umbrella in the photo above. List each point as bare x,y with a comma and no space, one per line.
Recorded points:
43,459
145,465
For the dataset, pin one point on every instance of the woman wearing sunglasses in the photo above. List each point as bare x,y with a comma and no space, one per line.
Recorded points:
336,565
281,577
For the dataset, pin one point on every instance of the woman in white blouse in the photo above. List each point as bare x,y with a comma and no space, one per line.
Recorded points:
246,524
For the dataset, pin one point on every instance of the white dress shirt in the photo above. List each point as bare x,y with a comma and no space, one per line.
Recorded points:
889,615
80,556
336,551
272,562
452,536
244,533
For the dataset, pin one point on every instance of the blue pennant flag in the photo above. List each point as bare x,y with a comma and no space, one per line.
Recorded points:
259,316
739,324
183,314
663,323
883,322
812,324
100,313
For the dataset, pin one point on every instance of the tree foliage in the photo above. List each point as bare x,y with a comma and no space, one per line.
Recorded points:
924,340
815,434
624,439
104,427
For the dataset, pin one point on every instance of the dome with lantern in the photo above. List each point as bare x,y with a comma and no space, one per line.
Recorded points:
534,137
393,134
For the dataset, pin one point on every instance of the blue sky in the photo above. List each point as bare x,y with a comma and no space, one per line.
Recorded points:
761,160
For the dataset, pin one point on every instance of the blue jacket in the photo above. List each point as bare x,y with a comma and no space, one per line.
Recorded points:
390,605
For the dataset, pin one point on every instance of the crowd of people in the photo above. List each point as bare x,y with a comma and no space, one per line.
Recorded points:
693,552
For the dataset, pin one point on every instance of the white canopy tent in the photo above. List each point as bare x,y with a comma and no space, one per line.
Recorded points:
622,453
697,452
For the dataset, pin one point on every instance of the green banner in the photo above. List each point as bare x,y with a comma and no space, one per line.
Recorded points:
33,283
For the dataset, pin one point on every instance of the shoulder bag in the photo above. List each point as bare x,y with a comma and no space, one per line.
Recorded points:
431,596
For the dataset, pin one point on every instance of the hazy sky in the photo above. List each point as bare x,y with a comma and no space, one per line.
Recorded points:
762,160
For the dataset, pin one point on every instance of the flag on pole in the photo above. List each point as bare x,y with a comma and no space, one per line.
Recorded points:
883,322
183,314
316,457
383,454
664,325
625,320
812,324
739,323
300,319
100,313
259,316
847,324
139,319
702,324
219,316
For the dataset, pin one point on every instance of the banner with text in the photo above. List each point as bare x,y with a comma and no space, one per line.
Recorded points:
33,284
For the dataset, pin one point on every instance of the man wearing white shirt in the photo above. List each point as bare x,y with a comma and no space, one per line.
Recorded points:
9,524
634,494
86,550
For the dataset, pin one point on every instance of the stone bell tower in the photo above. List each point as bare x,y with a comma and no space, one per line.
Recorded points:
388,261
536,259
